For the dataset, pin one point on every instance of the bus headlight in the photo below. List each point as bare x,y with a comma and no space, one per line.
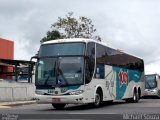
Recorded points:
154,90
77,92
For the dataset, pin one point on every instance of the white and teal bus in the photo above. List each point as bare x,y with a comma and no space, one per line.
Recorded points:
82,71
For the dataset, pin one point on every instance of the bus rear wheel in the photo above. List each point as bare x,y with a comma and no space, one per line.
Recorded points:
59,106
134,99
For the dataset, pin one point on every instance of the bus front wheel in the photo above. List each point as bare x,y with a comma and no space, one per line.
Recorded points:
98,98
59,106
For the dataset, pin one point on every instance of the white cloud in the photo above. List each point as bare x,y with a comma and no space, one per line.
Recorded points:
131,25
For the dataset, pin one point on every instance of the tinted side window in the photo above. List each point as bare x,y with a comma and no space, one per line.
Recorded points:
100,61
90,62
100,51
91,50
119,59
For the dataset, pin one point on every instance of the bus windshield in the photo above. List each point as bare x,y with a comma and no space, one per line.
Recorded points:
61,49
60,64
61,71
150,82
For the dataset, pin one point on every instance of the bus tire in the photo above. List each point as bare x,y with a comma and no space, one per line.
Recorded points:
135,98
98,98
58,106
139,93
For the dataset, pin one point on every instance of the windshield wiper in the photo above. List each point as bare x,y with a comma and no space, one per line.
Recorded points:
50,73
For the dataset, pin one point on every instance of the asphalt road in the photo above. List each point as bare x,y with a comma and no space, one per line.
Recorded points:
113,111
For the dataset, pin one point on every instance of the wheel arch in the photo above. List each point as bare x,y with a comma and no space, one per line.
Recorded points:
98,87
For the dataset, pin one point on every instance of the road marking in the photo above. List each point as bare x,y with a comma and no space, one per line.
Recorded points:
2,107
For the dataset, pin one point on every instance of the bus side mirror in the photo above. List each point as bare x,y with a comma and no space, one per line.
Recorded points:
31,67
34,57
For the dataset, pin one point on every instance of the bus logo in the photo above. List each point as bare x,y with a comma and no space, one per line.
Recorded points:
59,82
123,76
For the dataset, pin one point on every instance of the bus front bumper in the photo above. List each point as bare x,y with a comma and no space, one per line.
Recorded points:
150,92
67,99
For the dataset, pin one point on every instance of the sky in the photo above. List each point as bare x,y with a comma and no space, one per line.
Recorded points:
130,25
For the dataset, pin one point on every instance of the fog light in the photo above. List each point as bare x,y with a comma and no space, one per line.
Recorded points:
76,92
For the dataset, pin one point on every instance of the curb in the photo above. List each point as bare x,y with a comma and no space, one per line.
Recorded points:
15,103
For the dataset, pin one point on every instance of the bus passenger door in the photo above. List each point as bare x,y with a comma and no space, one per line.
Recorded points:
110,78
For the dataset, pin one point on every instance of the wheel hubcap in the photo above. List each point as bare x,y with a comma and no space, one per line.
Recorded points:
97,99
135,97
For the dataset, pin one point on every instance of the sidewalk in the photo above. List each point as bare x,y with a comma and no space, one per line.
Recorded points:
14,103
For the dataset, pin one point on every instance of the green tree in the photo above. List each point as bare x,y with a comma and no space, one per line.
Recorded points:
70,27
51,35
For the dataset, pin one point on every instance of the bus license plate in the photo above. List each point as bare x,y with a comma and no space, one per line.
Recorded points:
56,99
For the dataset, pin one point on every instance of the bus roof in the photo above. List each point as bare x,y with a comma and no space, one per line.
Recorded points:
73,40
82,40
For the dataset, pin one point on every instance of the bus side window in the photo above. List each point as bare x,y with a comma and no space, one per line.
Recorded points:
101,55
90,62
99,71
87,72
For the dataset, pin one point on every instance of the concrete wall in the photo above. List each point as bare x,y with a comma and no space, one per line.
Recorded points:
16,91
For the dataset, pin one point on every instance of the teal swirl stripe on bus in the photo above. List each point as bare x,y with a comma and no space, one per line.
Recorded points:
123,78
